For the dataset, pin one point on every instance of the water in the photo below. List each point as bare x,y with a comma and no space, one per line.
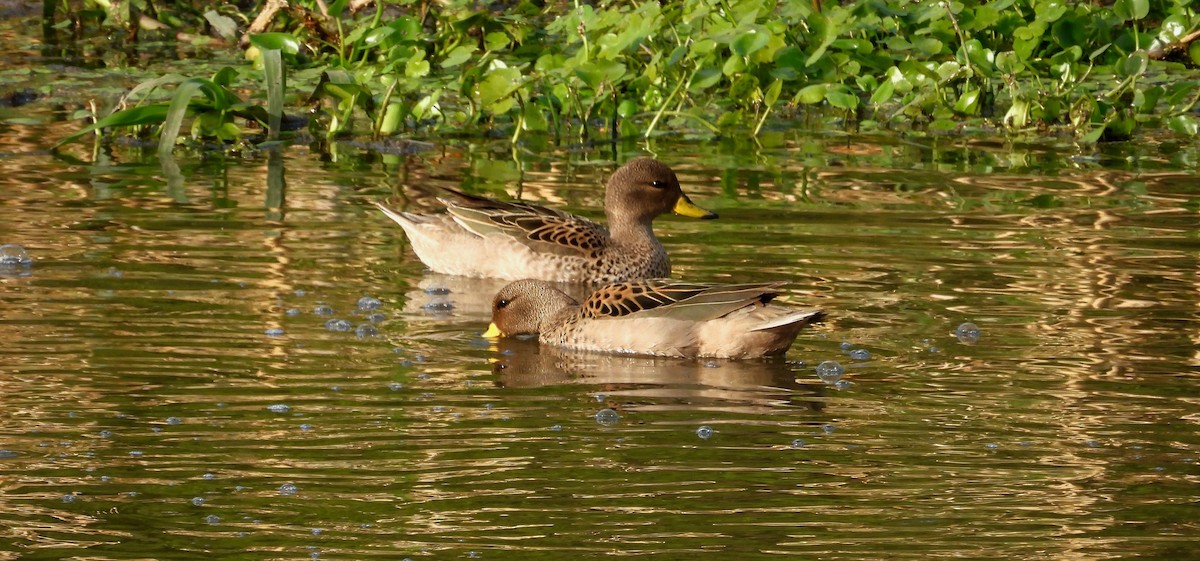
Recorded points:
171,388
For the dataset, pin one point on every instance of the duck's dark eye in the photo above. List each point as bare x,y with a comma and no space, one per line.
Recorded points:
658,184
502,303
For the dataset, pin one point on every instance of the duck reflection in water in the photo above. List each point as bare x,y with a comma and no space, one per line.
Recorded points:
658,382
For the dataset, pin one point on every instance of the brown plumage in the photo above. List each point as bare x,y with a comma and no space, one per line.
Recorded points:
653,317
481,237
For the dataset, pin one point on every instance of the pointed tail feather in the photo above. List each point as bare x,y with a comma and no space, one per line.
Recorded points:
795,320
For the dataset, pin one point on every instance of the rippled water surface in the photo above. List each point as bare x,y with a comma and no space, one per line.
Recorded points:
170,387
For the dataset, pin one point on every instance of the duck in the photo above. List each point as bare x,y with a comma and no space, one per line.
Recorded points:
655,317
483,237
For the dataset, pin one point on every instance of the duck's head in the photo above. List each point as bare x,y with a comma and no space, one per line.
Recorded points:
645,188
523,307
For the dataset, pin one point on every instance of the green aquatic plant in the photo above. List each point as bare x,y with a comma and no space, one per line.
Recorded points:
622,69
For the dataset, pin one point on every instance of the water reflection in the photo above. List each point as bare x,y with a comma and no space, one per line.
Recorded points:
138,375
657,383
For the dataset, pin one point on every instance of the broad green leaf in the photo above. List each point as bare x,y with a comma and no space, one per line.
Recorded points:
842,99
1050,10
497,88
627,108
928,46
1018,114
457,56
705,78
750,41
883,93
1093,135
225,76
968,103
1134,64
497,40
1145,101
285,42
595,73
733,65
1009,63
416,68
1131,9
393,117
379,36
812,94
1184,124
427,106
772,93
535,118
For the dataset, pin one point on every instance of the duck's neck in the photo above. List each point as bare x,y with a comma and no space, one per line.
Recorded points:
630,231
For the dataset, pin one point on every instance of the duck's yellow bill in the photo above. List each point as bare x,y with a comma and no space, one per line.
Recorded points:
492,331
685,207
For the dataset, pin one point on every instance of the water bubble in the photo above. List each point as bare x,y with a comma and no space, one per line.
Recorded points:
967,333
306,427
555,427
437,291
105,478
601,397
843,384
377,317
438,307
846,345
705,432
136,453
292,311
115,273
299,292
212,519
198,501
395,386
288,489
1092,444
13,255
338,325
798,443
279,408
106,434
274,332
991,446
830,371
860,354
366,330
155,429
174,421
607,417
316,531
418,358
828,428
68,498
711,364
368,303
209,476
323,310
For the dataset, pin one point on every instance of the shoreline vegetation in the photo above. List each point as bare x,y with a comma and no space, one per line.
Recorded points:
1091,71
